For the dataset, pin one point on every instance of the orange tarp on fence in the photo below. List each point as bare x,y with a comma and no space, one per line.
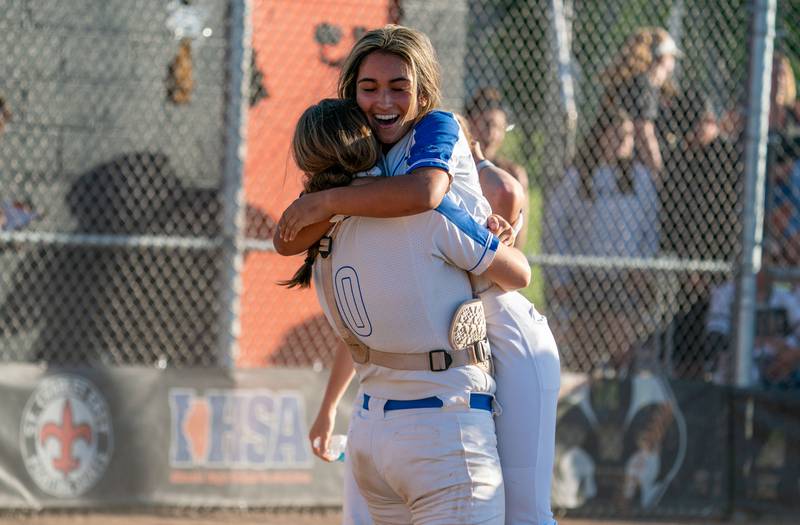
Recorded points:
298,45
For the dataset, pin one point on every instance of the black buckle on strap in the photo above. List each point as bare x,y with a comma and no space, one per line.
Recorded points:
325,246
440,360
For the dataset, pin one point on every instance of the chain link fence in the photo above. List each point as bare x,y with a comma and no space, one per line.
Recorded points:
623,120
112,157
143,167
649,197
783,201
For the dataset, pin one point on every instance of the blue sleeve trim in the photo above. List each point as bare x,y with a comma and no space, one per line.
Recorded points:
490,246
435,137
464,221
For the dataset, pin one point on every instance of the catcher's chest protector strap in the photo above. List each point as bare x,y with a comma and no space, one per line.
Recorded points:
467,330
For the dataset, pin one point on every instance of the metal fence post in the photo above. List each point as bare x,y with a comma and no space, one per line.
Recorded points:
233,174
562,32
763,36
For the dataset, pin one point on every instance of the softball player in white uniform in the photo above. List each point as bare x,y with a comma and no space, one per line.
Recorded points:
527,367
421,443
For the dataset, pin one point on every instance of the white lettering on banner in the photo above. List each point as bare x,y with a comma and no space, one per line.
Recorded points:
243,429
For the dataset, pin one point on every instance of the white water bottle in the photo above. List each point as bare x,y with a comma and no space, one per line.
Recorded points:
336,447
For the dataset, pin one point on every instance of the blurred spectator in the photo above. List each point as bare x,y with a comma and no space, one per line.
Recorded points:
14,214
783,205
777,345
505,194
645,471
605,206
783,117
637,80
5,115
784,110
699,218
701,185
488,123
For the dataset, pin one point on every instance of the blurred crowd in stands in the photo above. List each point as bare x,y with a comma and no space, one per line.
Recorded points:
659,175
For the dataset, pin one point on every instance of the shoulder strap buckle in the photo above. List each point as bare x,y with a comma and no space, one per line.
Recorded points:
325,246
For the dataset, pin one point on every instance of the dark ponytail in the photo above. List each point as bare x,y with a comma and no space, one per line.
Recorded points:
302,277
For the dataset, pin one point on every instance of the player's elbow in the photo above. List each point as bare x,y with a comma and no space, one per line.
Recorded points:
433,193
514,278
427,200
283,247
509,284
510,269
523,279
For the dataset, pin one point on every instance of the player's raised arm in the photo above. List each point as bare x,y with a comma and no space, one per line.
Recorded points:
304,240
399,196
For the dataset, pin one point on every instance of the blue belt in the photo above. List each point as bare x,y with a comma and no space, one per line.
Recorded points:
479,401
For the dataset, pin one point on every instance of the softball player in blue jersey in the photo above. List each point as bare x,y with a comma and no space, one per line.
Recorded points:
392,75
421,442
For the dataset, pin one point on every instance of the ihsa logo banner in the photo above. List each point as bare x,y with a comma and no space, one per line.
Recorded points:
238,430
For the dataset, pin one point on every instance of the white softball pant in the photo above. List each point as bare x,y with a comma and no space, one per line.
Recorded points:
528,376
427,466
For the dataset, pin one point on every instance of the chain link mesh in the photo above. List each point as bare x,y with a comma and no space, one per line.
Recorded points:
653,184
782,223
112,159
623,121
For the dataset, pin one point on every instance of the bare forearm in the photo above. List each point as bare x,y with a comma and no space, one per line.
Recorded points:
304,240
510,269
342,373
389,197
647,145
400,196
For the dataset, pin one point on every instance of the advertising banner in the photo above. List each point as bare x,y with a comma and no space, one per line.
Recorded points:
644,446
194,437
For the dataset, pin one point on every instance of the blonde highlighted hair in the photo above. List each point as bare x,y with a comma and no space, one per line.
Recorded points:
784,83
333,136
410,45
332,141
636,56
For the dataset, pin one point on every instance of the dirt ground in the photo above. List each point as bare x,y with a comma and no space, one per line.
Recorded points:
267,518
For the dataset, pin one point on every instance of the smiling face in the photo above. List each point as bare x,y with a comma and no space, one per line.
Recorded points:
489,128
386,91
